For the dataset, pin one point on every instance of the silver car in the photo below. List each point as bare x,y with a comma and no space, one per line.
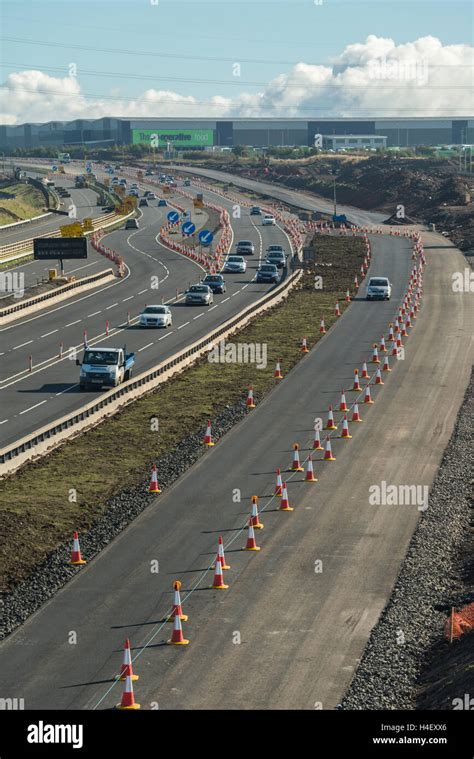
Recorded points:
199,295
156,316
235,265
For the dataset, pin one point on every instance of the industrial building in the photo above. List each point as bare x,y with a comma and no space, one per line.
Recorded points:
202,133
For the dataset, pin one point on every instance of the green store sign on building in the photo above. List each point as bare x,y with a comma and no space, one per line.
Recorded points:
177,138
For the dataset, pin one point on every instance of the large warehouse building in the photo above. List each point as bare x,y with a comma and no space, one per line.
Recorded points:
195,133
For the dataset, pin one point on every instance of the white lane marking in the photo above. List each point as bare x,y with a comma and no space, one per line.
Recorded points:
244,286
183,325
32,407
143,291
71,324
212,309
234,294
167,335
4,421
198,316
68,388
22,345
47,334
94,314
145,347
129,298
225,299
112,306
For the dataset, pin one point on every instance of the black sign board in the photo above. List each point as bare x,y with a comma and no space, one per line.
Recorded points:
46,248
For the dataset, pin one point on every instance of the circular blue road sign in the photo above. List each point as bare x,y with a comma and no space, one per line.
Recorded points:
205,237
188,228
173,217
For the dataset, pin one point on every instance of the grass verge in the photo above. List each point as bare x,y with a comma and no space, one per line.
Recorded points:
39,507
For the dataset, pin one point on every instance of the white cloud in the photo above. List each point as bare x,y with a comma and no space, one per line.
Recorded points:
376,77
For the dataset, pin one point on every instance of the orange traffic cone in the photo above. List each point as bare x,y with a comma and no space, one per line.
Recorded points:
356,385
391,336
322,328
328,452
208,435
394,350
317,440
356,417
221,555
127,669
254,518
345,428
279,484
356,282
342,403
330,422
284,503
404,329
249,402
154,487
378,377
386,365
365,373
304,346
251,544
337,310
177,638
348,296
128,698
375,355
383,348
367,396
310,477
76,557
278,374
218,583
177,608
296,465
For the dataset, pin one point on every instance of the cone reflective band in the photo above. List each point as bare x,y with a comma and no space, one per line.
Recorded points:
218,583
251,544
365,373
221,554
208,435
342,402
378,377
356,385
383,347
337,310
284,503
177,638
328,452
128,699
309,476
304,346
250,403
355,413
322,328
278,374
367,396
177,608
154,487
386,365
330,422
375,355
345,428
126,669
76,557
254,517
296,466
317,440
279,484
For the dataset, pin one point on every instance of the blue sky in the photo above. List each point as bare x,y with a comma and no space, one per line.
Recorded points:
174,42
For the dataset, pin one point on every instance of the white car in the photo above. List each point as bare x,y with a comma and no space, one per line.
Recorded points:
379,288
268,220
235,265
156,316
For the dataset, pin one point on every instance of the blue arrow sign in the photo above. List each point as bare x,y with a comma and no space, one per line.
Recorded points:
205,237
173,217
54,168
188,228
89,169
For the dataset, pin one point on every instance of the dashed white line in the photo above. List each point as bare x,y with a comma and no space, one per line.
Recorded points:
32,407
183,325
112,306
129,298
225,299
22,345
198,316
71,324
4,421
143,291
94,314
47,334
145,347
167,335
212,309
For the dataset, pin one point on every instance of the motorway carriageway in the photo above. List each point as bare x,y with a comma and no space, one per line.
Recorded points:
31,400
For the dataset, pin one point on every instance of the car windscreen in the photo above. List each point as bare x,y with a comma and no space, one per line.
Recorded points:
378,283
197,289
155,310
235,259
244,244
214,278
267,267
100,358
